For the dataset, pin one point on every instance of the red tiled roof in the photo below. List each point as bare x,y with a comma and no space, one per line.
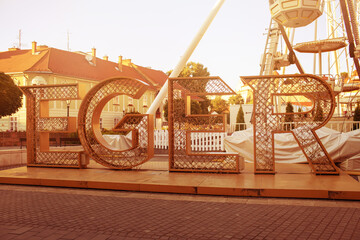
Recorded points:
156,75
18,61
52,60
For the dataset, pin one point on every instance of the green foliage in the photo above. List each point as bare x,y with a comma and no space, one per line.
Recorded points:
289,109
219,105
319,113
301,116
344,75
11,96
356,116
204,106
132,111
289,117
166,110
249,99
240,119
236,99
193,69
196,107
299,111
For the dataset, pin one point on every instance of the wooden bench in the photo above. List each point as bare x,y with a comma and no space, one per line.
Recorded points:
22,140
68,139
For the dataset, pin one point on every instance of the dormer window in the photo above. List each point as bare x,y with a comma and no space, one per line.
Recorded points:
130,102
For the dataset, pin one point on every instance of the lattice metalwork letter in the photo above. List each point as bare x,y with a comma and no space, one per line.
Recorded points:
39,126
141,125
182,125
267,121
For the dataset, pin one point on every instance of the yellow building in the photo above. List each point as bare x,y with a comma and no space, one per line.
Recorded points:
44,65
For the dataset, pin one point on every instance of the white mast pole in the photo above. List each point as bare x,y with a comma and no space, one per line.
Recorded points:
181,64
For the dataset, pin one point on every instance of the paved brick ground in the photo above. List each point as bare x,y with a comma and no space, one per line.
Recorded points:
37,213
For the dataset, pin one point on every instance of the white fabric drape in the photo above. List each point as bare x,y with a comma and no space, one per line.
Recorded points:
340,146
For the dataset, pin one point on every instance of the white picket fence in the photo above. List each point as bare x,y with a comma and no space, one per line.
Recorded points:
207,141
214,141
200,141
161,139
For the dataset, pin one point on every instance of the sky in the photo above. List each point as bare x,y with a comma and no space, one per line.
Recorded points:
153,33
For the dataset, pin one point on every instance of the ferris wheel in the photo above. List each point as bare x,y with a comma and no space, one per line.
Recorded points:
332,37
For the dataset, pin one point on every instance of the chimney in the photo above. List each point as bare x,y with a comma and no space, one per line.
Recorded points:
93,53
127,62
13,49
33,50
106,58
120,63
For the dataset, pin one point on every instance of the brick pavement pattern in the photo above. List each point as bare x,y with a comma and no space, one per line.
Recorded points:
34,215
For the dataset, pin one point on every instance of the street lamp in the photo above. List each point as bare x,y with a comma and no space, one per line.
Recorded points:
68,106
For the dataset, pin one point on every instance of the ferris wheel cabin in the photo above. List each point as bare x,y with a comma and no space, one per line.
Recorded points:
296,13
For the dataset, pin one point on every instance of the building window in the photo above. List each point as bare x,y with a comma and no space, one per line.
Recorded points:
130,102
145,101
116,100
13,124
116,121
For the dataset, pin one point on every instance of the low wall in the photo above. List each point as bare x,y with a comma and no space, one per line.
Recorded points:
11,157
10,139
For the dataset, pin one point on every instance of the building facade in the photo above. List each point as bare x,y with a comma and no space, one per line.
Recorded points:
45,65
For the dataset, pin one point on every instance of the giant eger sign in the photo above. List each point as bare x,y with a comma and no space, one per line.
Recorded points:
181,124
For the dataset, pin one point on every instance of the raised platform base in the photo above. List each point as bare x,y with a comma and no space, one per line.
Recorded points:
290,181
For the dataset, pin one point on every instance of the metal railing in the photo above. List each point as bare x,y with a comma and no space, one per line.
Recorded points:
341,126
214,141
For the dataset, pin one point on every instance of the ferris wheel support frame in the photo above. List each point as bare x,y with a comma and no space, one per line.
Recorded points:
350,34
290,48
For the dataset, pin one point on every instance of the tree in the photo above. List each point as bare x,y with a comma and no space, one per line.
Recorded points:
249,99
11,96
319,113
236,99
289,118
219,105
344,76
204,106
356,117
240,119
300,111
193,69
196,108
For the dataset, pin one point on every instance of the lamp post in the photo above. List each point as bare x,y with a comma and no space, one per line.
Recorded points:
68,106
